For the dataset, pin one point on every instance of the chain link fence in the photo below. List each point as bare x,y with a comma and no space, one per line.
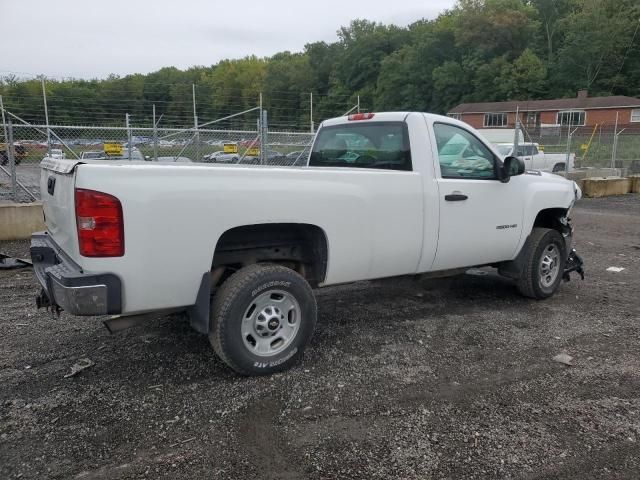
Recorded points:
23,146
600,146
31,143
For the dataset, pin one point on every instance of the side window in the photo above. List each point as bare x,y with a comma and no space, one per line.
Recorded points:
521,151
461,154
534,150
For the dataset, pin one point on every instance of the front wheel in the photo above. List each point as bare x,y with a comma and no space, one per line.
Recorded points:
262,318
544,264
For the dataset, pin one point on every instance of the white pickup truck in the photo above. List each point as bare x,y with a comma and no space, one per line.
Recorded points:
241,248
535,158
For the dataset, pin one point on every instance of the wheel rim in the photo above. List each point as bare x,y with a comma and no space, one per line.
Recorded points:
549,265
270,323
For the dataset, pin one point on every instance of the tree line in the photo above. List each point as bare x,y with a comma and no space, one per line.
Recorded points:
480,50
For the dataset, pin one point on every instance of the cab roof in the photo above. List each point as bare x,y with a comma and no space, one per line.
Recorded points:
385,117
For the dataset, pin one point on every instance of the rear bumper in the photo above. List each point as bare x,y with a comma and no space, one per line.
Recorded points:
65,286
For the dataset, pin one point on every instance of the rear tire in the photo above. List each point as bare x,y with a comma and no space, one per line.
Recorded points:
262,318
544,264
558,167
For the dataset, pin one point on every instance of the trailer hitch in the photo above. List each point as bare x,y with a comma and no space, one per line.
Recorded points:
574,263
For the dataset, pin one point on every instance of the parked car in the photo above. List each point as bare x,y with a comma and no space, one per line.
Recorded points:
19,153
241,249
136,155
272,157
297,158
57,153
295,155
536,159
174,160
221,157
92,155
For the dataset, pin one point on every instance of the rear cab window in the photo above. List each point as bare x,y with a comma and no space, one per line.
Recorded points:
380,145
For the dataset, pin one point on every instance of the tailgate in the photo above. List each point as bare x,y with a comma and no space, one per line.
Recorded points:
57,186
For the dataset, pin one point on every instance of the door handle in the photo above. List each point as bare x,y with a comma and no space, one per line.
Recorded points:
51,185
455,197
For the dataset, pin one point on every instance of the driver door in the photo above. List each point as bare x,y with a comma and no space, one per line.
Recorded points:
480,217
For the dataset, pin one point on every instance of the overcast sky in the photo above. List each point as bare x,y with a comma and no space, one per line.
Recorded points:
93,38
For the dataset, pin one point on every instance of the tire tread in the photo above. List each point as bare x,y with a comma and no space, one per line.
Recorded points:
526,281
224,299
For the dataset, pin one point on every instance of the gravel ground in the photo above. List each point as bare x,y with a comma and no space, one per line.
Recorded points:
412,379
26,173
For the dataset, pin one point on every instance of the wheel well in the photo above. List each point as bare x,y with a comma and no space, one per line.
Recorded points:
299,246
550,218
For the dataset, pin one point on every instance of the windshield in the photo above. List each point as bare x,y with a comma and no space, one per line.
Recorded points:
382,145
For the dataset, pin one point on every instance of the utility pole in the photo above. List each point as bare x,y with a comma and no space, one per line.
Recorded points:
46,116
358,104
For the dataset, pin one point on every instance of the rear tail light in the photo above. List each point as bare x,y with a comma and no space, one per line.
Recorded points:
361,116
100,225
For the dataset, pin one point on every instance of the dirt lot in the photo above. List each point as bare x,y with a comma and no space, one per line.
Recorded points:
408,379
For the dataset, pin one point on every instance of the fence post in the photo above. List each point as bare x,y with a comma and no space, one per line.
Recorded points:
126,119
311,110
260,131
46,116
615,144
4,122
195,122
516,133
568,157
155,135
12,162
264,132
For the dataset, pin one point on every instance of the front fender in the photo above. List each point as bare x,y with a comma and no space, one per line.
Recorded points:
545,193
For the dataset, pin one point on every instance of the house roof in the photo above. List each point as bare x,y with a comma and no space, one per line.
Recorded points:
586,103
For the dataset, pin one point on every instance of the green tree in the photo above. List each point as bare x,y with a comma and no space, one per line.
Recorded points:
598,34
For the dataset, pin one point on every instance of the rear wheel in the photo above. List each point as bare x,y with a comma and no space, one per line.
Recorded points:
558,167
544,264
262,318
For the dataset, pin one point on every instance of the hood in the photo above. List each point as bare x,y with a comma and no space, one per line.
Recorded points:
568,190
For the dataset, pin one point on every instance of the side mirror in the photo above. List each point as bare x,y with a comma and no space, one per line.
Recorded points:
511,167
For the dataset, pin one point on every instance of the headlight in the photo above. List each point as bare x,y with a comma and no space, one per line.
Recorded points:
577,191
577,195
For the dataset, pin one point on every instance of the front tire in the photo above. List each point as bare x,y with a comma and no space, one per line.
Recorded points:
544,264
262,318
